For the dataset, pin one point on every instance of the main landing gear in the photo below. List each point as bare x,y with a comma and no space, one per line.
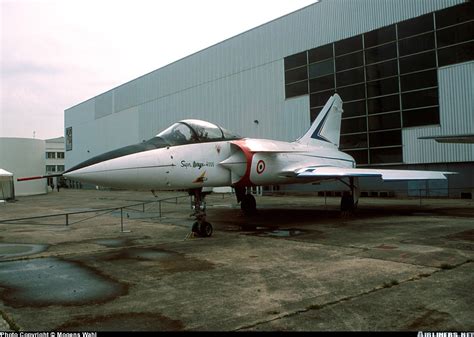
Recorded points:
200,227
247,200
350,199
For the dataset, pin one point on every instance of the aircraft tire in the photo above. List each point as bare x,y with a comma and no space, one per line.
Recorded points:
205,229
248,204
347,203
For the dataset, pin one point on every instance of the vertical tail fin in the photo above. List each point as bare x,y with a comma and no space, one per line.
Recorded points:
325,130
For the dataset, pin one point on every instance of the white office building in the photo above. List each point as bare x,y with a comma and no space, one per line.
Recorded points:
23,157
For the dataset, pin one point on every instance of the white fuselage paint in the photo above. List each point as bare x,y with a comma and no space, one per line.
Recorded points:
214,164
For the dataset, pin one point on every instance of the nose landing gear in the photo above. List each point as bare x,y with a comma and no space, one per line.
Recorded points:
200,227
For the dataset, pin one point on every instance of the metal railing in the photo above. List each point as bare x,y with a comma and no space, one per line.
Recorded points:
102,211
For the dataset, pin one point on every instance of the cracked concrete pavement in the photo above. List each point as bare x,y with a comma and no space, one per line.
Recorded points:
298,264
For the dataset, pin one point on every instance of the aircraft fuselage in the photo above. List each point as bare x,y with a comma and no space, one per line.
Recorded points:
212,164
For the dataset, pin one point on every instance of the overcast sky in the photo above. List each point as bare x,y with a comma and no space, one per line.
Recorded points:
58,53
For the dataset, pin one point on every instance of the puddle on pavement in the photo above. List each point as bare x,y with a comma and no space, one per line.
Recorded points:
113,243
52,281
279,233
167,260
384,246
12,250
284,233
123,322
467,235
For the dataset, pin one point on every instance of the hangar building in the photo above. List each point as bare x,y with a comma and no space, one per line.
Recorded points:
404,69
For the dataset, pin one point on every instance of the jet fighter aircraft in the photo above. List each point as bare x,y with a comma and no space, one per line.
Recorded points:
194,154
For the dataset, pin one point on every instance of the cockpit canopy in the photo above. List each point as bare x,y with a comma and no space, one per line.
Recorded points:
195,131
184,132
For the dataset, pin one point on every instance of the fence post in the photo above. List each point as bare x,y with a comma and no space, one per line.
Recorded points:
67,219
121,219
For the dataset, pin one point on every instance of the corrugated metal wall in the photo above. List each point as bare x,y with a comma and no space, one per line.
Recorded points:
234,82
456,100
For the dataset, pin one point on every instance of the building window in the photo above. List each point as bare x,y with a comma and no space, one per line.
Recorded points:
354,141
69,138
350,77
386,155
419,99
50,168
60,168
60,155
420,117
50,155
454,35
352,92
295,75
382,87
416,44
387,79
295,61
381,70
355,108
361,156
379,36
385,121
321,83
388,138
320,53
296,89
320,98
417,62
416,26
381,53
348,45
350,61
454,15
456,54
321,68
419,80
353,125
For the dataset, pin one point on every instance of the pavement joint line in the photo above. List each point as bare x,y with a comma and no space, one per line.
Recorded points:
350,298
7,323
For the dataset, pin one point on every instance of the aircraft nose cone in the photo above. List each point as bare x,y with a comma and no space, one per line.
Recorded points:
93,174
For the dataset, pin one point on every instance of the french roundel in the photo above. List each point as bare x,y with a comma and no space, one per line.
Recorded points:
260,166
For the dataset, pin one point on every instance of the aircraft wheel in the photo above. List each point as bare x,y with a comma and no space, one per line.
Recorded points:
347,203
206,229
248,204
